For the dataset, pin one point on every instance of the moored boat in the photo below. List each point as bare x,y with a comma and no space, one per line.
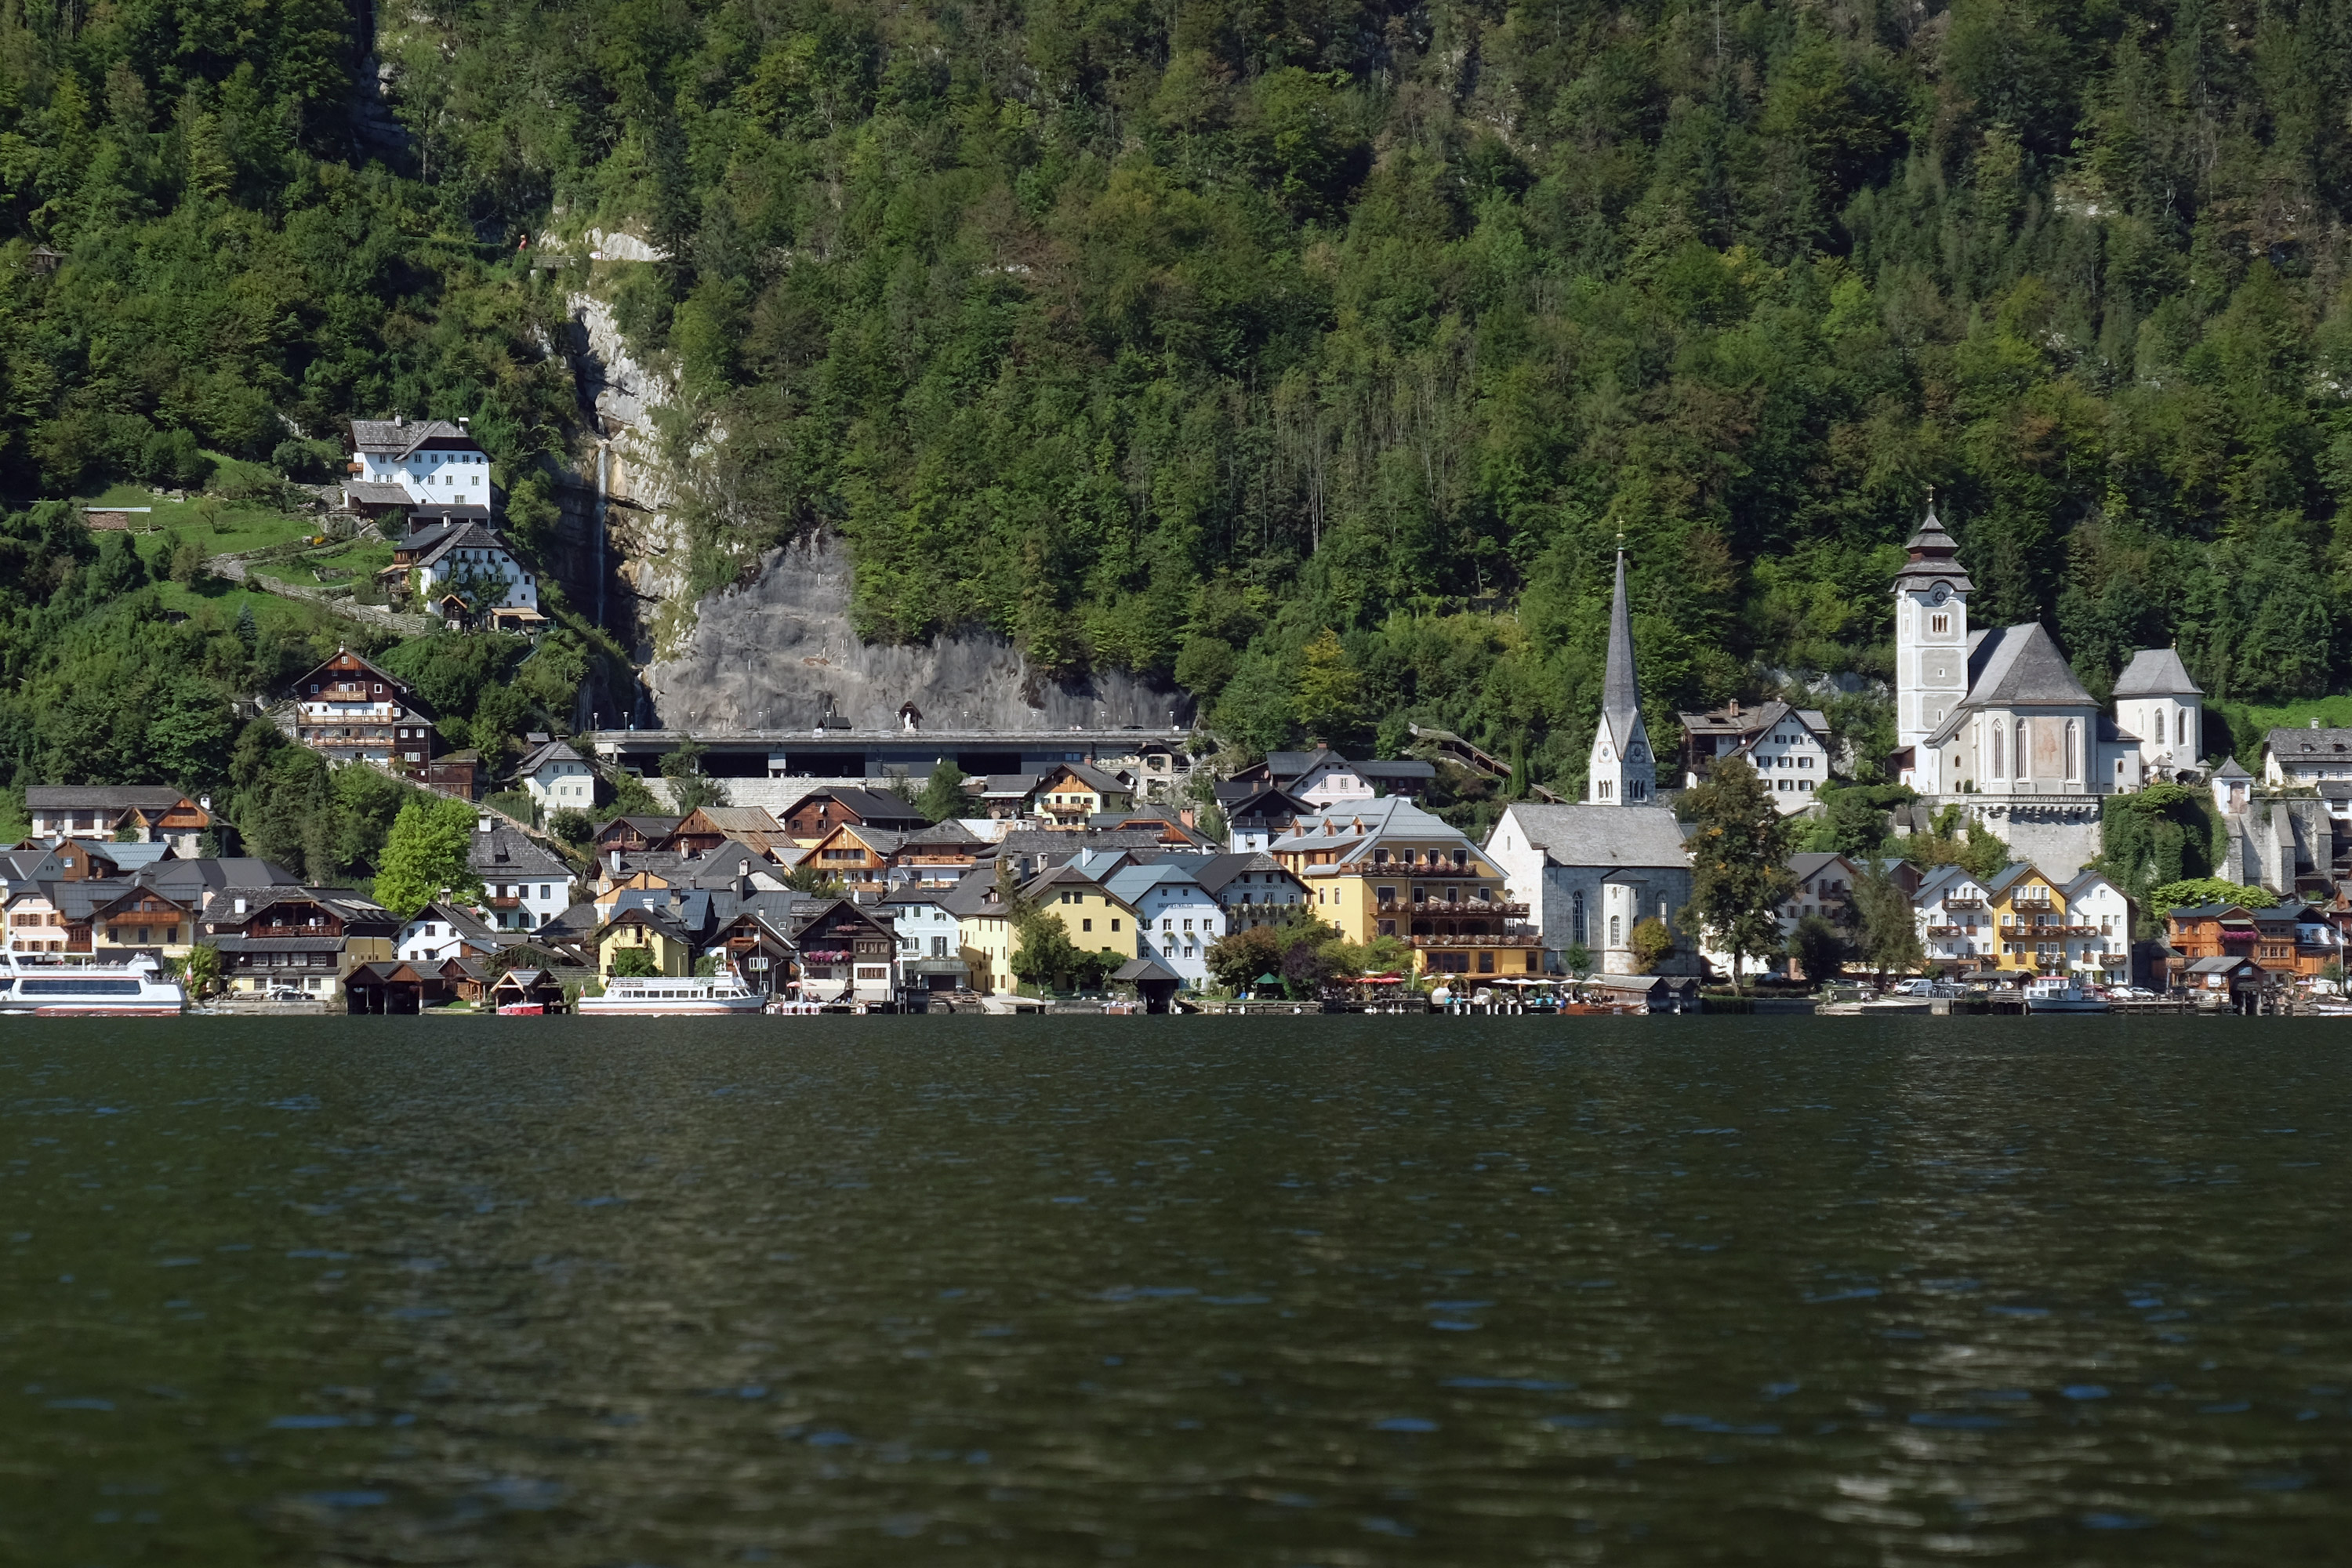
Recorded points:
672,995
2057,993
138,989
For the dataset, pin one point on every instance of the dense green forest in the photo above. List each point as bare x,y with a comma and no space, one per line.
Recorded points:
1169,337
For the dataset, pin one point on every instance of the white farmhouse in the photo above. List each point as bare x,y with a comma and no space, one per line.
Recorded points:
556,777
1789,747
440,931
524,886
467,558
432,461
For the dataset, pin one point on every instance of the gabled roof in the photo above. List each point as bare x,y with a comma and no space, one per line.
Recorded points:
1941,883
1131,883
547,752
2084,882
869,804
2232,769
1144,971
2157,672
221,871
2022,667
464,536
1611,836
974,895
1217,872
503,851
104,797
1007,786
369,494
1086,774
399,437
462,923
948,834
2308,744
651,828
1810,863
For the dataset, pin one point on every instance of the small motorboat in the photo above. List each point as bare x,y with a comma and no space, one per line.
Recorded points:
2057,993
138,989
524,1010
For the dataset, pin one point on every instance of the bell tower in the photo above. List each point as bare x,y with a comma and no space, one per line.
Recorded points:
1620,770
1931,632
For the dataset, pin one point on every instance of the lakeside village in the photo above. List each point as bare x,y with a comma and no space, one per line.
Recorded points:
1081,880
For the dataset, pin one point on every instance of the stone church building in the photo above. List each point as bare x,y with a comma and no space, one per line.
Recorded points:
1994,720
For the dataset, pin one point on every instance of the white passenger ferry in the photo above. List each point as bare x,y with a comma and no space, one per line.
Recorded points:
2057,993
663,995
138,989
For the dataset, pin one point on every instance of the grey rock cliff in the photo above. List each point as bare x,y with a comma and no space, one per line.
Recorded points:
773,654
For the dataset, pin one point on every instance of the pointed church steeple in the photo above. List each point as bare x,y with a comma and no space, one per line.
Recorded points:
1620,770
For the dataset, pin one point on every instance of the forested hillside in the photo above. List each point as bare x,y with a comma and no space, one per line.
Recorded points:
1171,337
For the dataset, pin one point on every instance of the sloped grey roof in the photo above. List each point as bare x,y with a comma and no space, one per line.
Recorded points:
503,852
378,495
104,798
1217,872
2157,672
2232,768
401,438
2021,666
1611,836
1620,693
546,753
2296,745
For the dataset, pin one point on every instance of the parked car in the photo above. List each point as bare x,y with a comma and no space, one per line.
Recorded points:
288,993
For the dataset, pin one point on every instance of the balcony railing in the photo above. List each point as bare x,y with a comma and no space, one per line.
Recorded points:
1510,939
1438,908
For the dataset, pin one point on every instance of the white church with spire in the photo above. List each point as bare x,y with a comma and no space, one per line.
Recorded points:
1621,769
1995,721
1590,872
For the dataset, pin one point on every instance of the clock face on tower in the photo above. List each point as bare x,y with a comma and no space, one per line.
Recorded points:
1938,594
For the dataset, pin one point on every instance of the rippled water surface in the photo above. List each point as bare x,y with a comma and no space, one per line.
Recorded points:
1266,1291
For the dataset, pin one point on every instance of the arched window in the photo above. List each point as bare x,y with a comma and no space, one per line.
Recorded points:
1615,925
1576,919
2159,726
2073,748
2023,768
1999,764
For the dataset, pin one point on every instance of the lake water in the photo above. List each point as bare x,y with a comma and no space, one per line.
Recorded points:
1310,1290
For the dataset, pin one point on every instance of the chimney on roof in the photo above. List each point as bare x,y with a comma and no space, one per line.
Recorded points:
398,420
240,906
1733,708
481,822
2314,723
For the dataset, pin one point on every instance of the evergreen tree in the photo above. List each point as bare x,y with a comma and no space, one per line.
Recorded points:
944,797
427,857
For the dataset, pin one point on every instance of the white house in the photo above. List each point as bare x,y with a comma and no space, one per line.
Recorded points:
2300,757
2098,929
439,932
1588,874
930,942
524,885
1954,914
556,777
435,462
469,557
1789,747
1251,887
1176,918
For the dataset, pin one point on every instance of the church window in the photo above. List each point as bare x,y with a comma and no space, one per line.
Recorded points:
2021,769
1615,925
1939,624
1576,919
2073,749
2159,726
1999,764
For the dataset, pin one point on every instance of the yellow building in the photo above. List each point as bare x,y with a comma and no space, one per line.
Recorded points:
984,938
1387,867
645,930
1089,914
2028,917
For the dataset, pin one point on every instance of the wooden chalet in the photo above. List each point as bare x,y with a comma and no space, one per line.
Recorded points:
528,988
636,834
705,828
845,954
819,812
349,710
857,857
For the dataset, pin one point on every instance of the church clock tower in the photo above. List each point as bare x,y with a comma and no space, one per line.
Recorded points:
1620,771
1931,633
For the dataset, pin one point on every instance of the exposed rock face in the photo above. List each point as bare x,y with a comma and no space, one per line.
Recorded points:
771,655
